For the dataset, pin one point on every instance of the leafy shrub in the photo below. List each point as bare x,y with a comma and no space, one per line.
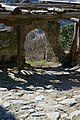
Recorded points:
66,36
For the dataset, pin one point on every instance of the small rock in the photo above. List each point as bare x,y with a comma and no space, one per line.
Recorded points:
58,106
74,68
78,70
40,97
10,97
23,116
76,96
48,72
50,90
26,107
59,99
19,94
68,101
39,89
30,87
31,110
50,87
64,115
3,89
25,72
6,104
39,109
53,115
74,114
38,114
26,102
16,101
0,100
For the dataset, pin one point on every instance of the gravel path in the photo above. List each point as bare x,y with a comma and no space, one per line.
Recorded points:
40,94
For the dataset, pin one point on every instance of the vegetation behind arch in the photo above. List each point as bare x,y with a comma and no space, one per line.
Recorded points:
66,35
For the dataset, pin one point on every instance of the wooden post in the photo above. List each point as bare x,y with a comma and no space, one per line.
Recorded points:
19,48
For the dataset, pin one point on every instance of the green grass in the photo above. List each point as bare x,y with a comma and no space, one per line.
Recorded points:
37,63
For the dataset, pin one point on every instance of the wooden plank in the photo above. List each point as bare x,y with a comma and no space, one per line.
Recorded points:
48,4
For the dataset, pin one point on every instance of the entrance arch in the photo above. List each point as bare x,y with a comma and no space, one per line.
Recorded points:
53,47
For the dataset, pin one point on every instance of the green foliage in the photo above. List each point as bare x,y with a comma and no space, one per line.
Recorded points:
66,35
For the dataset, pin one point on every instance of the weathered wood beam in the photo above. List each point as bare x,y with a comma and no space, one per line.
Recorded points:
48,4
45,8
28,18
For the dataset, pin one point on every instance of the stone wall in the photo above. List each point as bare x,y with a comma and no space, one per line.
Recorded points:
8,46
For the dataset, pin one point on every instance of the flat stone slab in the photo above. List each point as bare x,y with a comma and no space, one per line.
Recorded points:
53,115
68,101
40,97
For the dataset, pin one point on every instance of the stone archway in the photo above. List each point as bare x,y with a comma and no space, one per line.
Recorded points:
52,37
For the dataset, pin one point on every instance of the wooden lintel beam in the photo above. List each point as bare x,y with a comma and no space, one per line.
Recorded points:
48,4
29,18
